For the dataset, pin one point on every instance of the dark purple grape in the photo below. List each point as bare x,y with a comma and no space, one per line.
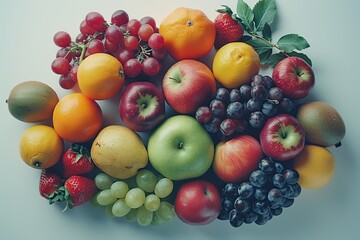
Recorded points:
246,190
250,217
227,127
277,211
223,95
269,109
287,202
254,105
245,92
230,191
227,204
203,114
275,196
235,95
259,92
291,176
260,194
235,218
267,165
257,119
241,125
279,180
241,205
286,105
213,125
269,83
295,190
258,178
223,215
257,80
279,167
235,110
275,93
218,107
261,207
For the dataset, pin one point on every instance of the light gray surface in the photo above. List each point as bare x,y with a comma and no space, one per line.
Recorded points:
331,28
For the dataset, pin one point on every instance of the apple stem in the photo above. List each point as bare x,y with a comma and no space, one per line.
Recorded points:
338,144
180,145
143,105
283,134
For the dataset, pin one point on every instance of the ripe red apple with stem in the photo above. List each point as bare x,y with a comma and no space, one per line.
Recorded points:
187,85
282,137
294,76
142,106
198,202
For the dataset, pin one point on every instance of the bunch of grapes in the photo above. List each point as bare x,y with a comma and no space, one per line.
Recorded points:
137,44
141,198
247,107
270,188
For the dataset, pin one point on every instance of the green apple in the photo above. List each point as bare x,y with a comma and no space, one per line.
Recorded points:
180,148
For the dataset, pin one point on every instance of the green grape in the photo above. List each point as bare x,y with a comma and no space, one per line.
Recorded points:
131,216
152,202
146,180
164,187
94,202
119,189
105,197
108,210
135,197
120,208
144,216
166,211
103,181
156,220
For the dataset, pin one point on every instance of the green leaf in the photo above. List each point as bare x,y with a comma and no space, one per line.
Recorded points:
264,57
275,59
301,55
246,15
264,12
266,32
290,42
259,45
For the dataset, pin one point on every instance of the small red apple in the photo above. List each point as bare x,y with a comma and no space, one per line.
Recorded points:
282,137
187,85
236,158
142,106
198,202
294,76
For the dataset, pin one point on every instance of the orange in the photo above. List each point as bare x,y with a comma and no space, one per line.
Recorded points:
100,76
235,64
77,118
188,33
40,146
316,166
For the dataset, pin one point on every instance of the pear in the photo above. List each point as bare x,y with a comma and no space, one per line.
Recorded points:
322,123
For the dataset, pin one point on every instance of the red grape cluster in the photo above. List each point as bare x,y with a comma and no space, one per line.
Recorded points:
245,108
137,44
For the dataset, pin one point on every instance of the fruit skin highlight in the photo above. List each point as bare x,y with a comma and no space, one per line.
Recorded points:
315,165
235,64
32,101
188,33
322,123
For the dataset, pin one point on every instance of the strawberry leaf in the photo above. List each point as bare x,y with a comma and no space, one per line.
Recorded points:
246,15
290,42
264,13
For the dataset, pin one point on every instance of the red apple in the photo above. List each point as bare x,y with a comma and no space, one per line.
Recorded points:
198,202
187,85
142,106
294,76
236,158
282,137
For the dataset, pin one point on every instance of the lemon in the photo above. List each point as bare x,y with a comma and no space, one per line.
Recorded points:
316,166
40,147
235,64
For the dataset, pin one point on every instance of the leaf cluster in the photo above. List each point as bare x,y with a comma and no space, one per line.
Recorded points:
257,24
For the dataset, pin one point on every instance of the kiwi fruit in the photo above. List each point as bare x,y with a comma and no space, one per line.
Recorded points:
322,123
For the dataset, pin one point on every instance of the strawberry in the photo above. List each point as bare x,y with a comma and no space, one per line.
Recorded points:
77,190
76,161
227,28
49,183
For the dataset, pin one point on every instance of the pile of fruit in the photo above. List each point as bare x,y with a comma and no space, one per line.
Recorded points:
233,144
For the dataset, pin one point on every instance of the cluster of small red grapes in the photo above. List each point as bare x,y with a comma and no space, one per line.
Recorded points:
137,44
270,188
247,107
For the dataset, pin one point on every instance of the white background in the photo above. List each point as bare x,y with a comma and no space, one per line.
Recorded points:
331,28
